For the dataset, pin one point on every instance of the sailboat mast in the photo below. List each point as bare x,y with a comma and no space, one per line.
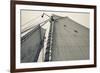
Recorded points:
50,39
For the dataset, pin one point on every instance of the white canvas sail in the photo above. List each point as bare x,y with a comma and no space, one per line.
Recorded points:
32,44
70,40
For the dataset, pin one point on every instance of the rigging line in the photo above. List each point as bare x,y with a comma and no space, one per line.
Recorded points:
31,20
27,35
35,26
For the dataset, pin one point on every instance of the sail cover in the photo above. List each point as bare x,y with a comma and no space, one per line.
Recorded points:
70,40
